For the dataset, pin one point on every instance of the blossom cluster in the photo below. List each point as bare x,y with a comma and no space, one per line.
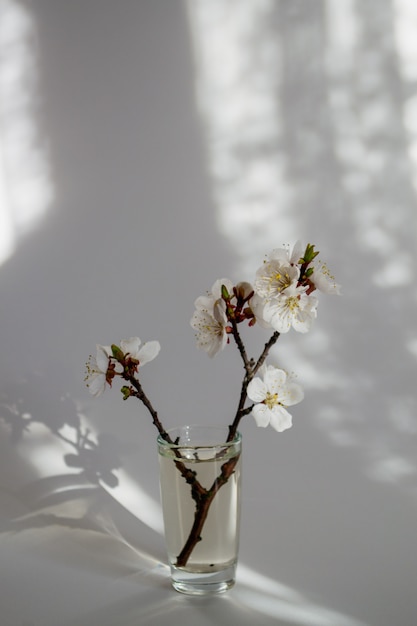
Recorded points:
280,298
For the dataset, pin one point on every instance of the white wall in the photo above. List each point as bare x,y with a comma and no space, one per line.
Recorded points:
146,149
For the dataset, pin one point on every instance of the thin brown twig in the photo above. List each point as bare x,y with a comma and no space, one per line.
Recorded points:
250,373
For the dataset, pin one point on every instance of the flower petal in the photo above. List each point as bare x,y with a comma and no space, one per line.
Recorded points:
257,304
277,316
324,280
204,303
275,379
257,390
262,415
102,357
280,419
297,252
148,352
130,346
211,334
219,312
292,394
96,384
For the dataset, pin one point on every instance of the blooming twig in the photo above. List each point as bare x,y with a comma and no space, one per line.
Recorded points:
280,299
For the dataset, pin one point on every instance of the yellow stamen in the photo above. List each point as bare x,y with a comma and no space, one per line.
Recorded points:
271,400
292,303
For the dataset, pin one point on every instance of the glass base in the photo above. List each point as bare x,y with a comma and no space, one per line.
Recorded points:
203,583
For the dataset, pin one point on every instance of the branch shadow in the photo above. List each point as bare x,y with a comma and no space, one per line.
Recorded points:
24,405
76,507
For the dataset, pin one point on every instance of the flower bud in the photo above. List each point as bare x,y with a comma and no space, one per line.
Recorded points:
117,353
243,291
126,391
225,293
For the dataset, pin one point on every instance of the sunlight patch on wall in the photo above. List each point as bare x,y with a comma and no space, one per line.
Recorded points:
237,78
390,468
25,185
412,346
342,33
297,137
405,31
374,128
406,41
135,499
44,451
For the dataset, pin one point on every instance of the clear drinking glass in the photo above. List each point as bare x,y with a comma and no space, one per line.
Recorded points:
200,475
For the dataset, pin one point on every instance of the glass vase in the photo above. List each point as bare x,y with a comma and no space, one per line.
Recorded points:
200,476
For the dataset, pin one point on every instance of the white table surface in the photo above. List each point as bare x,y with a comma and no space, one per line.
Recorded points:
145,152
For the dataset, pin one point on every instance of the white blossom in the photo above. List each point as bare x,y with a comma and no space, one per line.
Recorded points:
275,275
324,280
272,394
145,353
210,320
279,271
210,326
292,308
97,368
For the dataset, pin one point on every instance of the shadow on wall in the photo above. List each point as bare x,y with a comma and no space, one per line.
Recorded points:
300,145
24,410
73,517
72,501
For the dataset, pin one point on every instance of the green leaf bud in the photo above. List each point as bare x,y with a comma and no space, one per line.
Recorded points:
126,391
309,253
117,353
225,293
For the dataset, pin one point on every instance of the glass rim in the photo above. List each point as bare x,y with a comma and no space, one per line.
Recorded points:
199,443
